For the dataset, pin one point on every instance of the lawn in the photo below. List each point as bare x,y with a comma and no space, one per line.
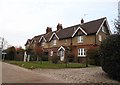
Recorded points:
48,65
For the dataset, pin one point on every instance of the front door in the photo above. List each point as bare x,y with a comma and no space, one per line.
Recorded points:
62,53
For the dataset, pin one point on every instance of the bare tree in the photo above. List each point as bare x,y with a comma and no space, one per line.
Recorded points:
1,46
117,25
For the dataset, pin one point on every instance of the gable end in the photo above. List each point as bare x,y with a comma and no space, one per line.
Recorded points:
54,34
79,28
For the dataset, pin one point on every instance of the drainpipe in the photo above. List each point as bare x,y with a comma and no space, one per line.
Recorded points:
71,44
95,40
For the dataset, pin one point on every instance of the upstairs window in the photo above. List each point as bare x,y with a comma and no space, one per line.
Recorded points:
103,29
100,38
81,52
80,39
51,53
54,42
42,43
65,41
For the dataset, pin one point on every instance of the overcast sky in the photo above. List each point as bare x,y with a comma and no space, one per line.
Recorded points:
24,19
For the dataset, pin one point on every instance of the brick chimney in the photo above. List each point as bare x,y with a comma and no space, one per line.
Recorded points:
82,21
59,26
49,29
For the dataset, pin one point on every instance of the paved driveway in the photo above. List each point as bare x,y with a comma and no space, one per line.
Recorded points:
15,74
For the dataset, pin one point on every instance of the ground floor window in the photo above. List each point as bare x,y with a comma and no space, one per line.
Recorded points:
82,52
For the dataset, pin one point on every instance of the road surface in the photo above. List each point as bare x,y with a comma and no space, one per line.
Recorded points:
16,74
0,72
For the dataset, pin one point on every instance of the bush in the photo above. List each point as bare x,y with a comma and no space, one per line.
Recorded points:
44,58
93,57
71,57
110,56
55,59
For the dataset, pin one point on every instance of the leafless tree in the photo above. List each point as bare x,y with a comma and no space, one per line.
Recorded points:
3,45
117,25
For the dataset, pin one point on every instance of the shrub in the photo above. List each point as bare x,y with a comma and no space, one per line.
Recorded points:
44,58
55,59
93,57
110,56
71,57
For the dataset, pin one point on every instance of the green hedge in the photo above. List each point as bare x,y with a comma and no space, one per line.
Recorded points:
110,56
93,57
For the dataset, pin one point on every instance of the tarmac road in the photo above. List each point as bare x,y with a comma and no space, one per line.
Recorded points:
16,74
0,72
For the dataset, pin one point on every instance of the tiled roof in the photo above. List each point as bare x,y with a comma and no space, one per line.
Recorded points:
90,27
48,35
36,38
28,42
66,32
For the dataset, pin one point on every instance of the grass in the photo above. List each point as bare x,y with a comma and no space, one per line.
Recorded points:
48,65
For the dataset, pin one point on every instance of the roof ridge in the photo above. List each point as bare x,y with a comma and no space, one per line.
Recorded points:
95,20
86,22
72,27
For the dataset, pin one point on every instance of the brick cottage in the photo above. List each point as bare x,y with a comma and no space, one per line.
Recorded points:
78,39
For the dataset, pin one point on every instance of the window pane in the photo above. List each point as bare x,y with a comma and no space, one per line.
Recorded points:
80,39
54,42
100,38
51,53
81,52
78,52
42,43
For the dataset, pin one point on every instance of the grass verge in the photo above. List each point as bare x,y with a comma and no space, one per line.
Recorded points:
48,65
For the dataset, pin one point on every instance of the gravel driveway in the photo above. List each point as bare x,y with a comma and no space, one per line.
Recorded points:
82,75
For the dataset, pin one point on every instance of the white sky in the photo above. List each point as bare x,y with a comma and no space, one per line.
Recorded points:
24,19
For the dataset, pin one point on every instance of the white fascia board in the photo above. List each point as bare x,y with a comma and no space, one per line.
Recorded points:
100,26
77,31
42,38
61,47
108,27
53,35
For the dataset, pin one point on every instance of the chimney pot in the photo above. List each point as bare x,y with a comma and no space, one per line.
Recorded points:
49,29
59,26
82,21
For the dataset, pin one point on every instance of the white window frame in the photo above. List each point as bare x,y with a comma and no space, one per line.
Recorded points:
100,37
42,43
80,39
54,42
51,53
103,29
65,41
81,52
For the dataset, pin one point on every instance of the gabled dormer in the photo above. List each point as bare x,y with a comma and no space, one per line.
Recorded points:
79,34
54,39
79,31
28,42
104,27
42,40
